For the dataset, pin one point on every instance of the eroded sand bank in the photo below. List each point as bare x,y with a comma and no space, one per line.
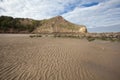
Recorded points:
47,58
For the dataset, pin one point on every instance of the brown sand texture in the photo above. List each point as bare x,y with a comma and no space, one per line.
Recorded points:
48,58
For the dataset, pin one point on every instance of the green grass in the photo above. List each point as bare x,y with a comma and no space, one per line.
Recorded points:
37,35
90,39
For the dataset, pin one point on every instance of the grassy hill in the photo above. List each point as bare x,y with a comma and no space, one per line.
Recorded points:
53,25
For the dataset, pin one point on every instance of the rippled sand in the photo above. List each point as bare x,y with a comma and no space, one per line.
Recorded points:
47,58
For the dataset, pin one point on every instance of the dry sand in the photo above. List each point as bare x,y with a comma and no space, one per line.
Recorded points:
25,58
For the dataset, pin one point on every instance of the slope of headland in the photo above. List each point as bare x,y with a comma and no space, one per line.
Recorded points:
53,25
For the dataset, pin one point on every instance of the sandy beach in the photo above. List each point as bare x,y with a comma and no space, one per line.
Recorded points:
49,58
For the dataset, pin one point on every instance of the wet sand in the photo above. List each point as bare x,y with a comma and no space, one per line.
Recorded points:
47,58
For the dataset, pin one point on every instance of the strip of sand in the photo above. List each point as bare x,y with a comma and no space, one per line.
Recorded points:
48,58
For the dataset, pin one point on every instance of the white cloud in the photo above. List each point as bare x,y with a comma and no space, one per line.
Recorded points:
38,9
105,14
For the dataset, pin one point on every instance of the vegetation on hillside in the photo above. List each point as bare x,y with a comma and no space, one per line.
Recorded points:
14,25
25,25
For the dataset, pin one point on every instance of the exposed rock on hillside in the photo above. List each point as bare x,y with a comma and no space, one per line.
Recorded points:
59,25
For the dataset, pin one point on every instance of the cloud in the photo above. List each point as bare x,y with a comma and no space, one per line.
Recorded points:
92,13
38,9
105,14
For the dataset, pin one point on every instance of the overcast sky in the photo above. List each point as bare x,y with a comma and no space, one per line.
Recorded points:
97,15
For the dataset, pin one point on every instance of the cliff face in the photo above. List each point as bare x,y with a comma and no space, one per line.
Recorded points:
54,25
60,25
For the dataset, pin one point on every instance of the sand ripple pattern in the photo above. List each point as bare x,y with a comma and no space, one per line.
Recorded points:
46,59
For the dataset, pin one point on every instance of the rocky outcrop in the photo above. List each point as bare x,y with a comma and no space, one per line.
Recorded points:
59,25
83,30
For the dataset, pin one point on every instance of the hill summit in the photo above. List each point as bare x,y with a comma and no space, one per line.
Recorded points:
53,25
